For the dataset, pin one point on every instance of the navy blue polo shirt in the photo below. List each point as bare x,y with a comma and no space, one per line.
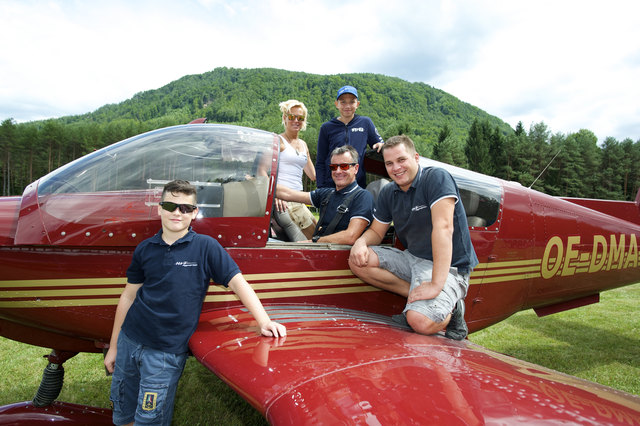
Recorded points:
174,279
358,133
361,205
411,215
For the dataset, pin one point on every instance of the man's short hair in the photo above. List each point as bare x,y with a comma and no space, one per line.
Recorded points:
344,149
397,140
179,187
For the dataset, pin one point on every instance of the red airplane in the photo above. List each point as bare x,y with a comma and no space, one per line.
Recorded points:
66,243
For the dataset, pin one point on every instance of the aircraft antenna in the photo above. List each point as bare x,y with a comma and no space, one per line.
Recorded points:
543,170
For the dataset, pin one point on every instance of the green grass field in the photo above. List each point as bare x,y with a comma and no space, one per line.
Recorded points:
598,342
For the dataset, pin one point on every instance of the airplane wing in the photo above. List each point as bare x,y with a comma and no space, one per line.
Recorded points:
341,366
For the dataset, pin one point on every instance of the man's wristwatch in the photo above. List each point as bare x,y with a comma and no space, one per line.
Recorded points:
315,238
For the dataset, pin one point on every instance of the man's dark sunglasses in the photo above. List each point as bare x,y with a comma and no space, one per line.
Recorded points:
171,207
343,166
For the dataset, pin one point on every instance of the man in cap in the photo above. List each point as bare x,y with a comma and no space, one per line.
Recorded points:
346,129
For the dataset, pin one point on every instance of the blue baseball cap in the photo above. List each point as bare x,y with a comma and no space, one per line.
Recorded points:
347,89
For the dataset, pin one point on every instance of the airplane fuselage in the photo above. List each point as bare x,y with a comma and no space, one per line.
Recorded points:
66,244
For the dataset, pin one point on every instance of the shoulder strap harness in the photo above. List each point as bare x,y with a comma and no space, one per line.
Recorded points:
342,209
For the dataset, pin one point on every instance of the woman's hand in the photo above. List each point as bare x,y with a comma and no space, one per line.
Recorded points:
281,205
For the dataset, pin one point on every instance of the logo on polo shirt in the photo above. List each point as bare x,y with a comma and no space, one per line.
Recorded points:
418,208
186,263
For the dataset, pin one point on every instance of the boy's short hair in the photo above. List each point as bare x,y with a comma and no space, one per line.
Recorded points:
179,187
344,149
399,140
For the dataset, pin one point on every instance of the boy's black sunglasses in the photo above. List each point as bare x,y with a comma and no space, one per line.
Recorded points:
171,207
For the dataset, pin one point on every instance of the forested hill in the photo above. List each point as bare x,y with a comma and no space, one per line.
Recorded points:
443,127
250,97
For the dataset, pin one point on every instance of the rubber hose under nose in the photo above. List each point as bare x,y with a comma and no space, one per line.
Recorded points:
50,386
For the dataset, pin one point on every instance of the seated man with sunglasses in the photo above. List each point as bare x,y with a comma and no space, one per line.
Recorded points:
347,210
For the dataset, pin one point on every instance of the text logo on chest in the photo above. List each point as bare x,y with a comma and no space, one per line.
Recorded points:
186,263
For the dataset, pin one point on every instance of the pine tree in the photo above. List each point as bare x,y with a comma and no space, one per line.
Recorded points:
478,146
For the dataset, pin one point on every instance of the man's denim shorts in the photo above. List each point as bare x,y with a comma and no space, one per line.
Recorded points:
144,383
416,270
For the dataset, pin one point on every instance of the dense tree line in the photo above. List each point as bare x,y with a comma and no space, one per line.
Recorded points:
570,165
442,126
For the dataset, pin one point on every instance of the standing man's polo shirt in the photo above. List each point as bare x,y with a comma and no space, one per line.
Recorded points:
410,213
361,205
175,279
358,133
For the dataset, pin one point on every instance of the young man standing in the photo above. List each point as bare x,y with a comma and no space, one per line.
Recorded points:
430,221
347,129
159,308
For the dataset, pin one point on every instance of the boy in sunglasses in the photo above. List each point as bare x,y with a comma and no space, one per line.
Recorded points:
348,128
159,308
347,210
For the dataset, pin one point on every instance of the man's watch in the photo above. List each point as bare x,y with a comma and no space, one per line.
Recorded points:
315,238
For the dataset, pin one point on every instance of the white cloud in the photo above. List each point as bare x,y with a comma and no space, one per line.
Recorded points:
570,64
565,63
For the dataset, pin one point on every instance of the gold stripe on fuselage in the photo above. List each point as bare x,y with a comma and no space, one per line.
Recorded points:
62,282
48,293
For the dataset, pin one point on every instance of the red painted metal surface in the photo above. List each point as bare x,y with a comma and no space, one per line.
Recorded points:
63,260
9,211
25,413
341,366
565,306
629,211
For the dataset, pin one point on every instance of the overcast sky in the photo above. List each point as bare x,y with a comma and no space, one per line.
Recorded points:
570,64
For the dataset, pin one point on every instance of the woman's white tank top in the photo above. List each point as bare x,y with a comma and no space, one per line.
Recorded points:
291,166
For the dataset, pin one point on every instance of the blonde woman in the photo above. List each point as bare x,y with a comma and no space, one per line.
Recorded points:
295,218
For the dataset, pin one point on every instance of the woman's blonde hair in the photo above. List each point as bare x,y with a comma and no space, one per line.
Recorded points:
286,108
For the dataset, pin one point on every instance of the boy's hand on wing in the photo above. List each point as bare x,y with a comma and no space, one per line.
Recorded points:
273,329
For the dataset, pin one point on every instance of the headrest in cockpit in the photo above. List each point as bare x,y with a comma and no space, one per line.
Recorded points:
376,186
